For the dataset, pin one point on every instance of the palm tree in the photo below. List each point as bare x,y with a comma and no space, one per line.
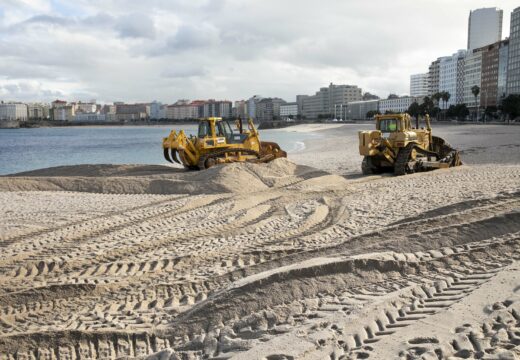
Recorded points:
476,90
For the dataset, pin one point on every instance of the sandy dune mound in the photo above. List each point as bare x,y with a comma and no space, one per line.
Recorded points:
156,179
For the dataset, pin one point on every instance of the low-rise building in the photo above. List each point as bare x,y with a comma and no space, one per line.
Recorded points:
398,105
289,110
357,110
132,112
90,117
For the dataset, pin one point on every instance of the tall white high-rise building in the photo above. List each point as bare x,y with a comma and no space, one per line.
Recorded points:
419,84
451,78
513,66
472,77
484,27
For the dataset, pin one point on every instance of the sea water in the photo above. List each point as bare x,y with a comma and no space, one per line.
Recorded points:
29,149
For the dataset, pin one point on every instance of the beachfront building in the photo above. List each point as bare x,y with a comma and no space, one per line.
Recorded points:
451,78
490,69
324,101
13,111
472,77
217,108
419,84
503,54
132,112
299,100
63,113
357,110
268,109
484,27
182,110
289,110
82,107
90,117
36,111
513,66
399,104
433,77
156,112
240,109
251,105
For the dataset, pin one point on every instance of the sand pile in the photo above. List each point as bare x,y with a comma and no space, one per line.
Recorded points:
156,179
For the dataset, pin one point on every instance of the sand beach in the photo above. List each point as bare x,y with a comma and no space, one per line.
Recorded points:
300,258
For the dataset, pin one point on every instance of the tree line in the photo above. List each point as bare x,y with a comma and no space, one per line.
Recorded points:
510,106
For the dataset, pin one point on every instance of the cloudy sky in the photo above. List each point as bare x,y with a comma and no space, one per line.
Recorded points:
141,50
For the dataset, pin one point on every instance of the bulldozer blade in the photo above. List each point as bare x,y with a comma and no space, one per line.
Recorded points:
267,147
175,156
167,155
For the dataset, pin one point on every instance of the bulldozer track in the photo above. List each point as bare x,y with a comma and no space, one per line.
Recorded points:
216,154
450,277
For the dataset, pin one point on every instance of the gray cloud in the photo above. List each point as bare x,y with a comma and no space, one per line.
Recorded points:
193,36
136,26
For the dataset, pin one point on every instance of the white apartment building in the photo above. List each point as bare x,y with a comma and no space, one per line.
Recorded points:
451,78
419,84
484,27
289,109
398,105
13,111
472,77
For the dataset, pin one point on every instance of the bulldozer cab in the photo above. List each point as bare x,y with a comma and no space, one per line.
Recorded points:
388,124
217,128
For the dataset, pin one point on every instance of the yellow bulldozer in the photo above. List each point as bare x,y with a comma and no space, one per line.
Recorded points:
217,143
397,146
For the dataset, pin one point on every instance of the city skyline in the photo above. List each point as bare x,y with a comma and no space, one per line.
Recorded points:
220,49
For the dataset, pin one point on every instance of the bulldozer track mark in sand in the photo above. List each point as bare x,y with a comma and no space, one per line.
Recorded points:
49,260
425,286
30,235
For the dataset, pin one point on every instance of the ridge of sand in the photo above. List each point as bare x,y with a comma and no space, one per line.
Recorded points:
155,179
